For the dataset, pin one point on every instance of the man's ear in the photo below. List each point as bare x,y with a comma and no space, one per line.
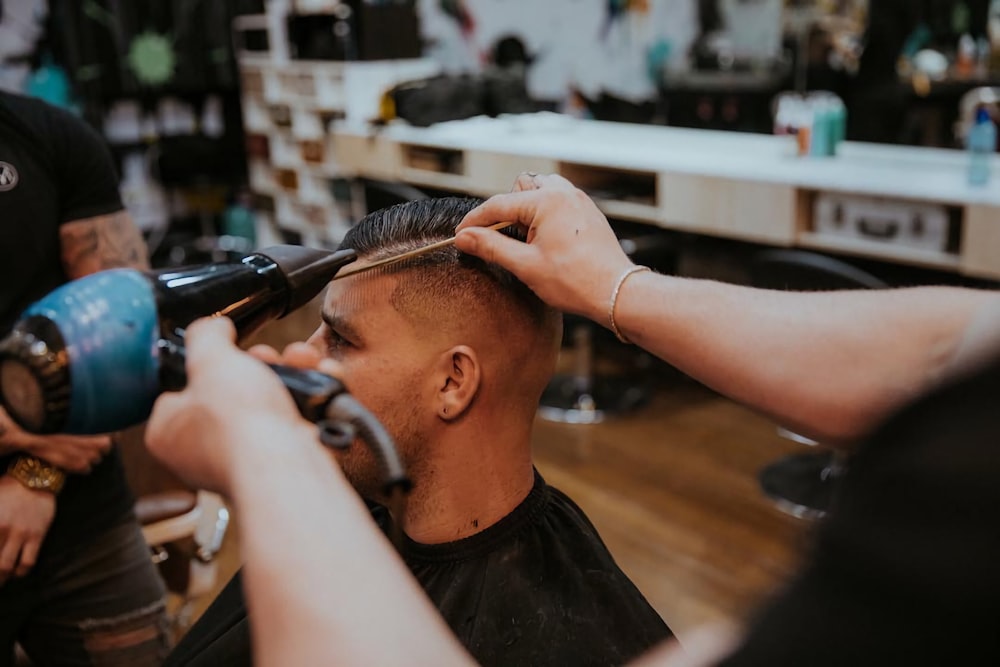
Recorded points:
459,375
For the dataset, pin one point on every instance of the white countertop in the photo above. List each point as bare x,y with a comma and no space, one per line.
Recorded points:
923,174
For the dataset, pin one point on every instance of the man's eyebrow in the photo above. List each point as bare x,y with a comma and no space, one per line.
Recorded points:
338,324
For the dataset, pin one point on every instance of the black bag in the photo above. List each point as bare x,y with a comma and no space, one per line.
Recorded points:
455,97
438,99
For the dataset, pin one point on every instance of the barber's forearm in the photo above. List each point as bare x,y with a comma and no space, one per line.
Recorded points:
829,365
323,584
9,442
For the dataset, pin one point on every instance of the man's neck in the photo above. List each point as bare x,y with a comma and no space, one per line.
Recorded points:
475,482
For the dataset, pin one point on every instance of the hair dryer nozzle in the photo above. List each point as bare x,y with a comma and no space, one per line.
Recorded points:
306,270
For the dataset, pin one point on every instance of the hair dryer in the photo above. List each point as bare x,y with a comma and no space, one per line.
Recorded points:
92,356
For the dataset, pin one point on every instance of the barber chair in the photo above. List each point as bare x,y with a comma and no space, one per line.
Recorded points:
184,528
802,484
584,395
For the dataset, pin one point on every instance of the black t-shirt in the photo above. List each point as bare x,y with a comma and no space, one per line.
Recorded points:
54,169
537,588
906,571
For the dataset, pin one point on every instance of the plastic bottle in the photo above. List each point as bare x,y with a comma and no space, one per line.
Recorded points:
142,195
966,59
239,220
838,124
820,141
982,146
804,127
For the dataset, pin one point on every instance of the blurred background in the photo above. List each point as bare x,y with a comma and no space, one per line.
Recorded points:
218,112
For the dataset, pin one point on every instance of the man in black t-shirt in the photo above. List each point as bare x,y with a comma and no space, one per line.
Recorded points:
452,354
77,585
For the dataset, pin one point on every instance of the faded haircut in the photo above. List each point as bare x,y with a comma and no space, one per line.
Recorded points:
445,272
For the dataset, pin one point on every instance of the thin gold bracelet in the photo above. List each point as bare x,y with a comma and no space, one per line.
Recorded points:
614,299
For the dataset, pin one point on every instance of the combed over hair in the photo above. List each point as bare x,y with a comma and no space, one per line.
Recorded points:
445,272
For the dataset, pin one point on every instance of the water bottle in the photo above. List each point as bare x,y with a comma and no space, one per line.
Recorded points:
982,145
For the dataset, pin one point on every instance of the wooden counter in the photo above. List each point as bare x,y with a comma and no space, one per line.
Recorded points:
741,186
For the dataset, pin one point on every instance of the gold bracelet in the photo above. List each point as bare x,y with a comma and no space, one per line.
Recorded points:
37,474
614,300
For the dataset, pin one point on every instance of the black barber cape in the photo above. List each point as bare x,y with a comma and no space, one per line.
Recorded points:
906,571
538,588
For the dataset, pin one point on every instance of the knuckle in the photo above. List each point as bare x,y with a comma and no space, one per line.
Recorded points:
489,254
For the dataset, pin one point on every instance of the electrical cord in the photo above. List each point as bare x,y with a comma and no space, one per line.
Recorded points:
345,408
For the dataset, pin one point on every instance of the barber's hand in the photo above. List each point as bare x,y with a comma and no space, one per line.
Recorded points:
233,408
25,517
572,258
72,453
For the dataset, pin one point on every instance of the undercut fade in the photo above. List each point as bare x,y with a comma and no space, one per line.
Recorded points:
445,272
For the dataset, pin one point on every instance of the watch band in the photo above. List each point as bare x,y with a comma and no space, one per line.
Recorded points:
36,474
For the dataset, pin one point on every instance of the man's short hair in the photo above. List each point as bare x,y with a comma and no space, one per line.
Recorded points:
445,273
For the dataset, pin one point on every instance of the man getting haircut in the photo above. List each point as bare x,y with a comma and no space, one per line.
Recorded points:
452,354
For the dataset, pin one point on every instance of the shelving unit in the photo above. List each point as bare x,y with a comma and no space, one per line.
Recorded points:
716,184
302,193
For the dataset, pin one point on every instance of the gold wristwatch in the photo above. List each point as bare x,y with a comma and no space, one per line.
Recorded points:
37,474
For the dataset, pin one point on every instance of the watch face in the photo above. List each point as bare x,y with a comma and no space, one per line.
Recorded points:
21,394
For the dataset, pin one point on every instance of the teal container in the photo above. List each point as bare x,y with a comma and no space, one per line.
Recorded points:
240,221
838,126
819,140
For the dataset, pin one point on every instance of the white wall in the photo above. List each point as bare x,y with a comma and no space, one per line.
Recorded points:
574,46
569,39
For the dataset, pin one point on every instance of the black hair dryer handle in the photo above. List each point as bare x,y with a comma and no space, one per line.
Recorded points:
311,390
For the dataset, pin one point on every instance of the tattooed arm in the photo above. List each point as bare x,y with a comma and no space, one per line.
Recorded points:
102,242
88,245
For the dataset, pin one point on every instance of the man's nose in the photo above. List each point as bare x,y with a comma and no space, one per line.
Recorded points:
316,340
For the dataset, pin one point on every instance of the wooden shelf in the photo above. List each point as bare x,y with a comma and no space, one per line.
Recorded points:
433,160
726,185
880,251
437,180
627,210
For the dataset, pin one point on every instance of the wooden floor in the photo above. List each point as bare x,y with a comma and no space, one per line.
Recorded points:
671,487
672,490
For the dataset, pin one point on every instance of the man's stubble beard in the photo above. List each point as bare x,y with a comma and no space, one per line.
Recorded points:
365,472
